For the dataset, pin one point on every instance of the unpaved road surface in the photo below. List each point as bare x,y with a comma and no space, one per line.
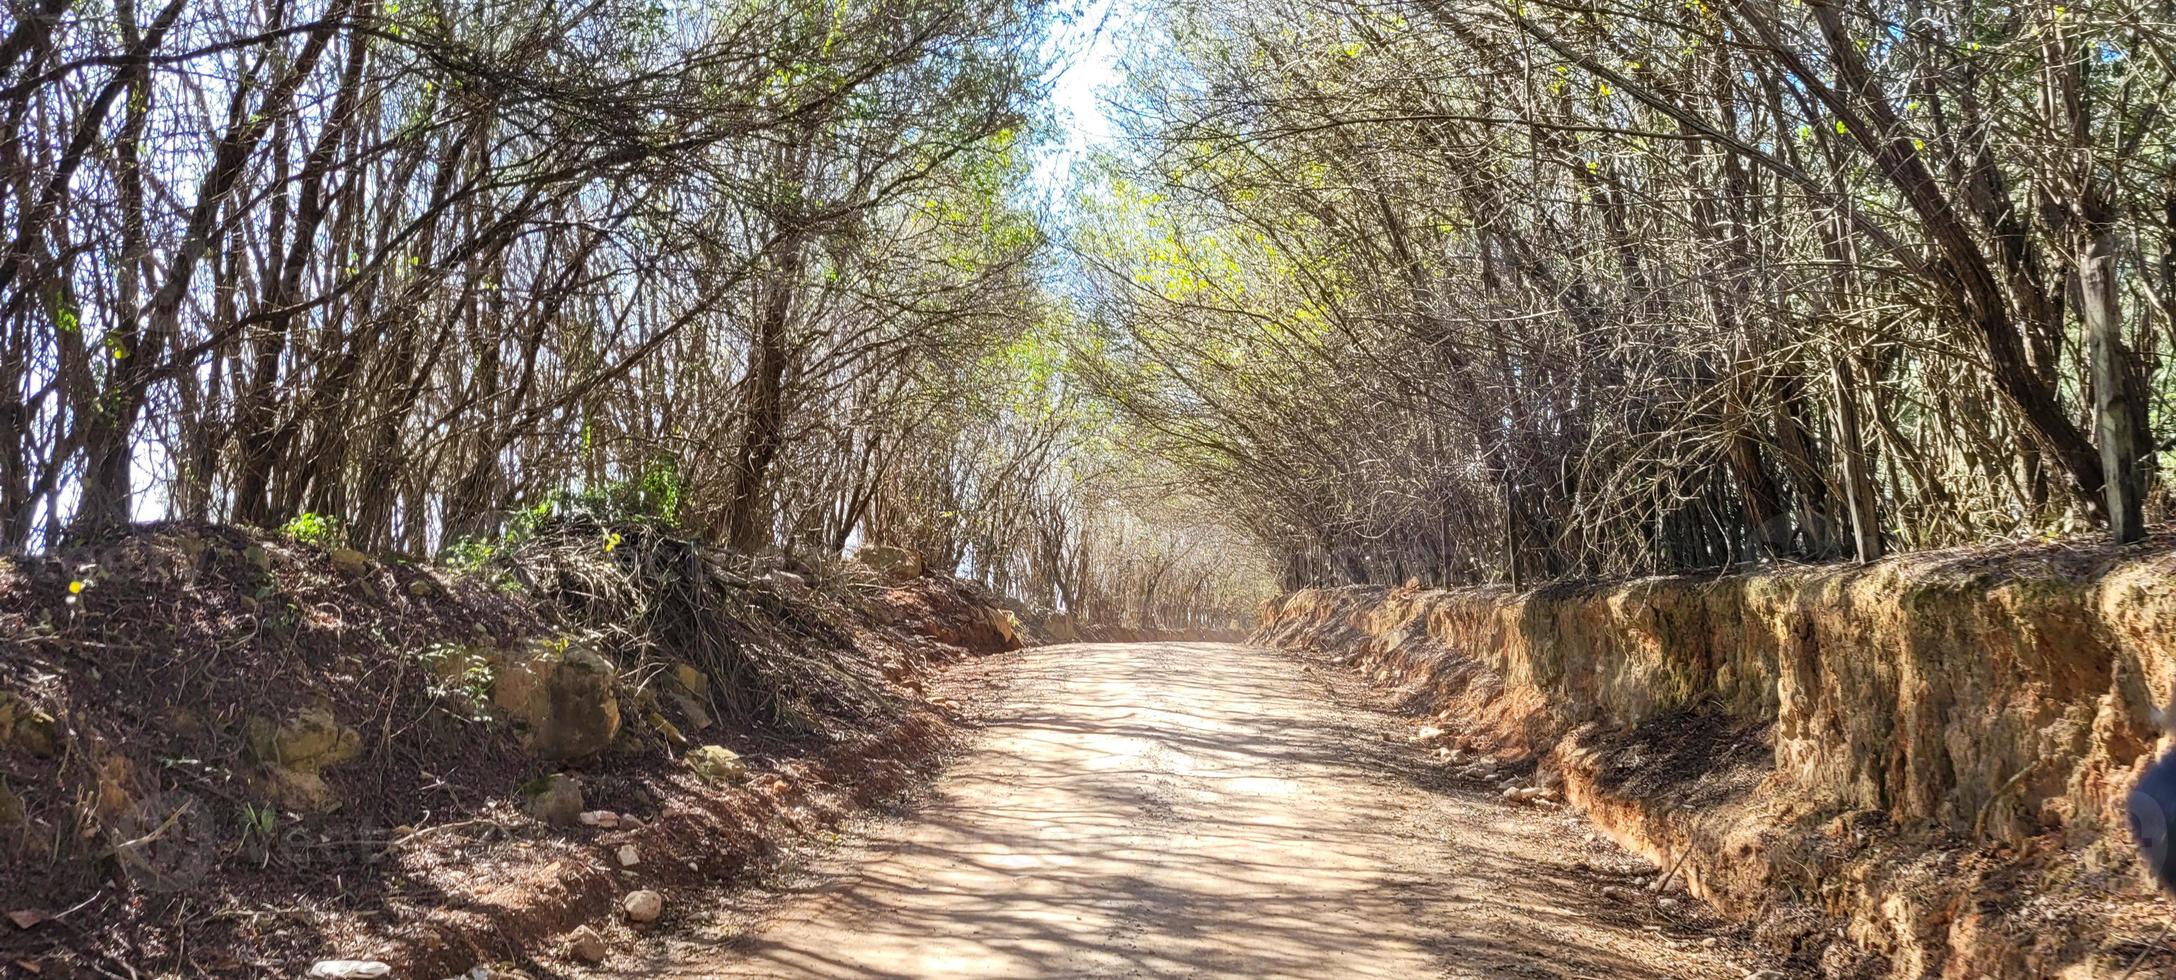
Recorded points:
1204,810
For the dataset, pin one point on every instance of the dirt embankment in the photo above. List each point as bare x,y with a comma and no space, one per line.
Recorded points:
1913,769
224,752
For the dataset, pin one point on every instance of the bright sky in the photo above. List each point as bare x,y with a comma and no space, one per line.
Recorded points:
1087,64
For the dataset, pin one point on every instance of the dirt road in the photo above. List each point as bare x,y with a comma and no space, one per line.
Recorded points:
1205,810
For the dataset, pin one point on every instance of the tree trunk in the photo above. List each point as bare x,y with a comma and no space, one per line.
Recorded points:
1858,477
747,527
1766,520
2117,408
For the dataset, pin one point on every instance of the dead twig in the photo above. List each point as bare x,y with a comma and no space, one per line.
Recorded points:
2148,951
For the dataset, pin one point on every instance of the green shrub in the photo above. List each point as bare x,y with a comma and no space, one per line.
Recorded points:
654,495
321,530
471,554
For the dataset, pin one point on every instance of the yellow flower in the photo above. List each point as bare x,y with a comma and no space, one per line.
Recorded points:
611,541
75,587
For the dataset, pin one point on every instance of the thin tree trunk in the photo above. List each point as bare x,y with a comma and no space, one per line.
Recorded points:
1858,477
2117,408
747,515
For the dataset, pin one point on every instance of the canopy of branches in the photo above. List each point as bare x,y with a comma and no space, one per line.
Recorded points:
1475,290
1464,290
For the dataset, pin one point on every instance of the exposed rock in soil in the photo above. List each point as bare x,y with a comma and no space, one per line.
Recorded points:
24,728
566,695
350,969
349,562
555,799
586,946
600,819
717,765
643,906
296,752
